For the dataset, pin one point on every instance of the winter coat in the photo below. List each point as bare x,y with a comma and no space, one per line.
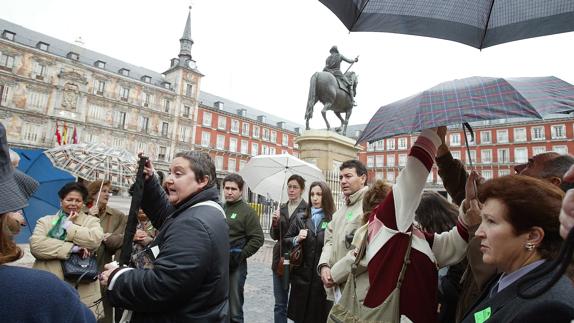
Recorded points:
112,221
555,305
307,299
37,296
285,222
189,281
85,232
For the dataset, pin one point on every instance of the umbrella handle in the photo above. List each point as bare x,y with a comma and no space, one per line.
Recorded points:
466,126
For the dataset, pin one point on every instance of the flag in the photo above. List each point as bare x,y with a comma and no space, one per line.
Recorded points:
65,134
58,135
75,136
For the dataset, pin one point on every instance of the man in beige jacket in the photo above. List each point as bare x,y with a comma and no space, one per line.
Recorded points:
340,231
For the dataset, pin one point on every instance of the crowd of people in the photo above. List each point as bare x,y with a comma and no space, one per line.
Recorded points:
390,253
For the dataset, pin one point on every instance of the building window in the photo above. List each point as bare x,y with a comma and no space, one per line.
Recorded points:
220,143
487,174
391,144
242,164
39,71
273,136
245,129
184,134
472,156
520,155
234,126
562,150
6,34
100,64
162,155
380,145
391,160
503,156
264,150
146,79
402,160
519,134
538,150
558,131
455,154
285,140
120,121
96,113
205,138
206,119
391,177
32,133
73,56
221,122
99,87
166,105
370,146
244,147
538,133
233,144
254,149
231,165
255,131
502,136
272,151
124,93
189,89
144,124
164,129
125,72
37,100
266,134
42,46
380,161
455,139
186,111
118,142
6,62
486,156
166,85
485,137
370,161
503,172
402,143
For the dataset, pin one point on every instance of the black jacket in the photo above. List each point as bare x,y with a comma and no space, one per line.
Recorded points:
307,299
556,305
190,278
278,232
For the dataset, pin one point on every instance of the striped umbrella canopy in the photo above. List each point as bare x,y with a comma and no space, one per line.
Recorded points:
471,99
477,23
95,162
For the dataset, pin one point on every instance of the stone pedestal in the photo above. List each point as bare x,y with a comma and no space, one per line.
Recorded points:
326,149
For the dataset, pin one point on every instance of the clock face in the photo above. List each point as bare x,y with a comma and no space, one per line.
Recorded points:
191,64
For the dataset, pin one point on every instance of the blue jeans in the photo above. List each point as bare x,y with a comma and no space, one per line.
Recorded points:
236,284
281,297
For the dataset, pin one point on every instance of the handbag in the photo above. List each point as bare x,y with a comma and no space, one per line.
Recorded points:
296,254
350,310
80,270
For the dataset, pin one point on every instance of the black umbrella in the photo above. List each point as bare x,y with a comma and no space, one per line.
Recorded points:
477,23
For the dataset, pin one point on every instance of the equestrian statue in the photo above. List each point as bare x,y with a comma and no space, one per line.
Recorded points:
334,89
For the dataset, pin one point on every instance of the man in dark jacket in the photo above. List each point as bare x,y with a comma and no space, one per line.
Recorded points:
189,281
282,220
245,238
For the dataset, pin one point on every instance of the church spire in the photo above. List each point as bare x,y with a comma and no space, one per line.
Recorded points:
186,42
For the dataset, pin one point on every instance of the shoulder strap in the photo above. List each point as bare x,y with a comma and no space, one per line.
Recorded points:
212,204
406,261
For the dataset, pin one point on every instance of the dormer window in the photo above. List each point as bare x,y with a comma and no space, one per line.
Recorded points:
42,46
146,79
73,56
124,72
100,64
166,85
6,34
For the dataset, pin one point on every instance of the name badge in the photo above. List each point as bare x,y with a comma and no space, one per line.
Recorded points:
233,215
482,316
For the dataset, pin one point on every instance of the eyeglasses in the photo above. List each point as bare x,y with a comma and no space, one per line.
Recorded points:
293,187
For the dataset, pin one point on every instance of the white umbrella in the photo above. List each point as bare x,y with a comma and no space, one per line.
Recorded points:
267,175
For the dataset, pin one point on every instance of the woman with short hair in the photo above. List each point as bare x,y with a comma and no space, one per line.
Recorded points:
519,234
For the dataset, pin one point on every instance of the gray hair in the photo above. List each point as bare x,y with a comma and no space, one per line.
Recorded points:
201,165
557,167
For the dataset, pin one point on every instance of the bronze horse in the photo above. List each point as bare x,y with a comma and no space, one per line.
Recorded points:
324,88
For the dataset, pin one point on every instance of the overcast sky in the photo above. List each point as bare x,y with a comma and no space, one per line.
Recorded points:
261,53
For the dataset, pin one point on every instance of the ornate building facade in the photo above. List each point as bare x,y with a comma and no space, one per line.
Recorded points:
48,86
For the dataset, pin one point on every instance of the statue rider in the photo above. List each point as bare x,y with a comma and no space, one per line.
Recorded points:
333,66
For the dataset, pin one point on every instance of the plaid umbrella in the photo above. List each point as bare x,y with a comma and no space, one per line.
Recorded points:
477,23
94,162
471,99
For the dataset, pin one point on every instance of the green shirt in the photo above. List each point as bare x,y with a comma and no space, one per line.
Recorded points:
244,223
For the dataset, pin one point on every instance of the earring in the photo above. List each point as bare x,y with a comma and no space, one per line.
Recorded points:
530,246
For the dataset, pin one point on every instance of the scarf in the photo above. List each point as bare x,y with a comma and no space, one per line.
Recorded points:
316,216
57,231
